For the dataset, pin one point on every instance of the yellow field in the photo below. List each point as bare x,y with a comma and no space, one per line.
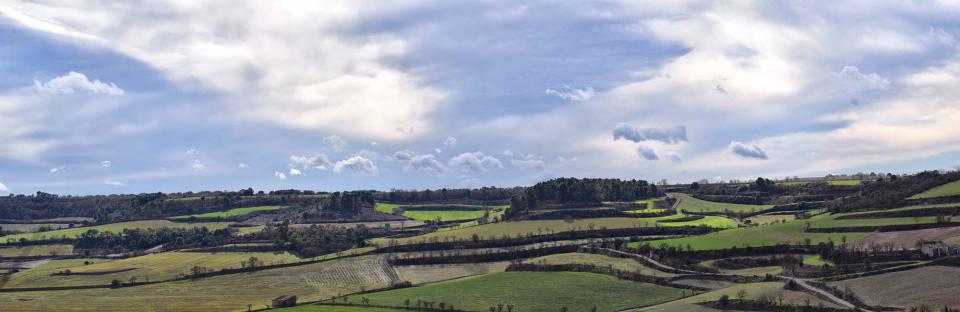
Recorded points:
156,267
113,227
624,264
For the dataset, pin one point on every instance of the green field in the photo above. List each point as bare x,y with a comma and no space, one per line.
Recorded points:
444,215
156,267
39,250
231,292
771,218
452,215
625,264
849,182
949,189
691,204
710,221
541,291
113,227
334,308
230,213
764,235
521,228
31,227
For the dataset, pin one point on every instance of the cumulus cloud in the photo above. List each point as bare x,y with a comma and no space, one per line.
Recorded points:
647,153
450,141
853,76
633,133
318,161
280,175
507,153
113,182
106,164
404,155
748,151
437,150
295,172
243,166
57,169
73,82
426,163
475,162
572,94
193,152
335,142
197,165
274,69
528,162
4,188
356,163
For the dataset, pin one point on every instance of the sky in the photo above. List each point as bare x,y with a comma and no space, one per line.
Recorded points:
108,97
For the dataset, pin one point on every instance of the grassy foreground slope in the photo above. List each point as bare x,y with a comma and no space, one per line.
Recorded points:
534,291
691,204
115,228
230,213
765,235
219,293
949,189
156,267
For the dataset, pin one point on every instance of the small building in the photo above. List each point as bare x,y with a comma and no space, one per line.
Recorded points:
284,301
934,249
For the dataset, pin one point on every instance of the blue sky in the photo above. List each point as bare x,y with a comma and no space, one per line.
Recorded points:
106,97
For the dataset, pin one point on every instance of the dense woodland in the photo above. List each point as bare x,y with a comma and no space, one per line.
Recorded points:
483,194
893,191
573,192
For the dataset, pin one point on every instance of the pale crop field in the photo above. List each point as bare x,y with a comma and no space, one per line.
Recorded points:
230,213
115,228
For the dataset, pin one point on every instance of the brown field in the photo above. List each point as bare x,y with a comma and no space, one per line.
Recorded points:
754,290
908,239
936,286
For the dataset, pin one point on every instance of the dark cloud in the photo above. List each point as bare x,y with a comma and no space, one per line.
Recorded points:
636,134
647,153
748,151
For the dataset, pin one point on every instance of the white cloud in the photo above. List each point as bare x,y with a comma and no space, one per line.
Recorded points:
507,153
475,162
528,162
852,75
335,142
284,64
572,94
450,141
106,164
57,169
113,182
318,161
280,175
4,188
243,166
193,152
426,163
295,172
73,82
356,163
197,165
437,150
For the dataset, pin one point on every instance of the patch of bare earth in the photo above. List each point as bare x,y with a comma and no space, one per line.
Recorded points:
908,239
935,286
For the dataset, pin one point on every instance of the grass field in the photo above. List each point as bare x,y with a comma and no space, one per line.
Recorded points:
541,291
39,250
423,274
333,308
711,221
113,227
44,270
764,235
949,189
518,228
230,213
32,227
850,182
753,290
689,203
444,215
771,218
160,266
219,293
452,215
625,264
